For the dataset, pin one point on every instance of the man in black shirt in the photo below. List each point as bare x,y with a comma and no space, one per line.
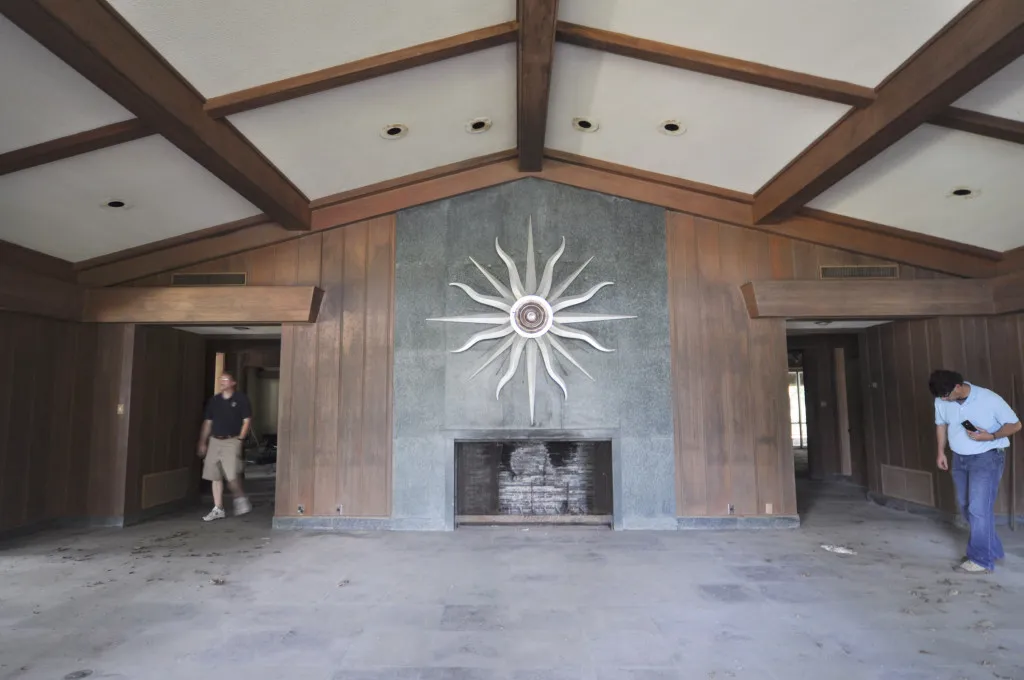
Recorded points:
225,427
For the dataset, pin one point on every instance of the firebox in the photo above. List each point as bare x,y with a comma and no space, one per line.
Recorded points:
533,481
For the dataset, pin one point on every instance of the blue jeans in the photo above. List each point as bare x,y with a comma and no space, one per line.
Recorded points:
977,483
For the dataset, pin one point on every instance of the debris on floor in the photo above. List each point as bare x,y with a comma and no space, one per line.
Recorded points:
839,549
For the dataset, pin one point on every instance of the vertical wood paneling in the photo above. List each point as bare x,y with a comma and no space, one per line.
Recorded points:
375,461
987,351
282,484
327,452
684,291
44,422
716,330
303,412
354,494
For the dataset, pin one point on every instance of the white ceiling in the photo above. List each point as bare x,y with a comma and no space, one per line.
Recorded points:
1001,95
42,97
60,208
225,45
330,142
860,41
908,186
737,135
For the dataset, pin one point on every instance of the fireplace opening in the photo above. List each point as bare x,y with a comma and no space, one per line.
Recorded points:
533,482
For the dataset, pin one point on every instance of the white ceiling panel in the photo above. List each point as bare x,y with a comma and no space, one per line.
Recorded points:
60,208
859,42
330,142
737,136
42,98
225,45
909,185
1001,95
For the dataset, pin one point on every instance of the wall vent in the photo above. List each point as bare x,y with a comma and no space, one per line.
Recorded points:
860,271
910,485
219,279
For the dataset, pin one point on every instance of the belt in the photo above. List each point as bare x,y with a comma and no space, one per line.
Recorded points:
226,436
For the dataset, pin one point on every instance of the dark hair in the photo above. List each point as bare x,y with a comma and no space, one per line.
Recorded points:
942,382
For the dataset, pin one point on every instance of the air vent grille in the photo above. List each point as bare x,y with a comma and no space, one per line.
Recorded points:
867,271
218,279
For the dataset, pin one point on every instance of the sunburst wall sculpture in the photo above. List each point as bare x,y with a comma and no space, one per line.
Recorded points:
531,318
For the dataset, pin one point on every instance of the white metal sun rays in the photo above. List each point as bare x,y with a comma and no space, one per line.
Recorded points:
531,316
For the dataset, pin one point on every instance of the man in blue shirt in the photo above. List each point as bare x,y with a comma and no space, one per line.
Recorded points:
978,425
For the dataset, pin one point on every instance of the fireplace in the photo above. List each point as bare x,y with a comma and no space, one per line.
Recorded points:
533,481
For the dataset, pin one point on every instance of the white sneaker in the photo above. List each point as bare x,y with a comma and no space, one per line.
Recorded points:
242,506
972,567
216,513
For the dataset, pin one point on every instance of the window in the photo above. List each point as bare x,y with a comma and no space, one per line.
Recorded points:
797,410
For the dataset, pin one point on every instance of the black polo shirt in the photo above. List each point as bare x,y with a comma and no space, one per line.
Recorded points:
227,414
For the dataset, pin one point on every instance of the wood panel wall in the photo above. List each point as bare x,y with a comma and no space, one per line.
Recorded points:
334,423
899,413
46,375
168,394
729,372
110,416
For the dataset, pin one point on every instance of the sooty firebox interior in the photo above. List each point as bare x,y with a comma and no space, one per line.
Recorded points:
533,481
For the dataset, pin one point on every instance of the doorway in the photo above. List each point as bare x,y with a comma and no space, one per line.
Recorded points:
252,355
826,407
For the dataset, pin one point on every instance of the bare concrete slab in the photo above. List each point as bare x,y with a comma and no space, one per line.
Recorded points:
177,598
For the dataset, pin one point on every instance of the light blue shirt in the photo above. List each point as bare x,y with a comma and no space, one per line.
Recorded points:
985,409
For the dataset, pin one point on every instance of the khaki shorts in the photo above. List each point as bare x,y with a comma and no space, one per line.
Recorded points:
223,459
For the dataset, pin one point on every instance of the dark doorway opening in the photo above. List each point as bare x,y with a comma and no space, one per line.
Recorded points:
826,382
253,357
531,481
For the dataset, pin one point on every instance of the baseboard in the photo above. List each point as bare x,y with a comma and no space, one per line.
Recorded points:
26,530
933,513
327,523
738,523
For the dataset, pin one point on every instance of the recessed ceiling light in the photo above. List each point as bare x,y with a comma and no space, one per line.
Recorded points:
394,131
115,203
964,192
585,124
478,125
671,127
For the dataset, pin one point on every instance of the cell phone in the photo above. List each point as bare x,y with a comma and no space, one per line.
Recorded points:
969,426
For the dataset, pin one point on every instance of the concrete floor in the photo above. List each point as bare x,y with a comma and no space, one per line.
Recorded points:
177,598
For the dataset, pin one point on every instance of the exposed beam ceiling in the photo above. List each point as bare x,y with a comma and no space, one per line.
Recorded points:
93,40
715,65
980,42
981,124
72,145
362,69
537,19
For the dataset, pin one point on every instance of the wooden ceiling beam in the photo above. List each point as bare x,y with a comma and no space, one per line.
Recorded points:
536,51
983,124
715,65
92,39
203,305
72,145
867,299
978,43
362,69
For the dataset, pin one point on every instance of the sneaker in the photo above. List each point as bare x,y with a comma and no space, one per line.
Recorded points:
216,513
242,506
971,567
